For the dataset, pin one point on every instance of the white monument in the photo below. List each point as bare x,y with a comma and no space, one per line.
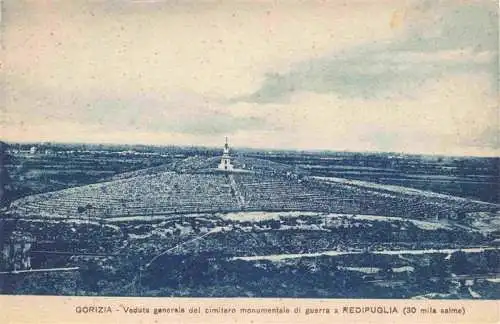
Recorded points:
225,162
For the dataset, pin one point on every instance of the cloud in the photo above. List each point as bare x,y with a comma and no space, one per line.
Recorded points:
185,113
416,79
451,116
181,112
217,48
438,38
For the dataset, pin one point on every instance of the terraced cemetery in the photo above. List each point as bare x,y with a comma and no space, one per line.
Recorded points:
266,229
207,191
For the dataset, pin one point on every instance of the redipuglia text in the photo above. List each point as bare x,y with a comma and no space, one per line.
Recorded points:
370,309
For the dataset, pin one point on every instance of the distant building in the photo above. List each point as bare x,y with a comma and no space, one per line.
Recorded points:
225,162
33,150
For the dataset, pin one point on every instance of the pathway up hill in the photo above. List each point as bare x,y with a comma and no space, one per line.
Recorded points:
195,185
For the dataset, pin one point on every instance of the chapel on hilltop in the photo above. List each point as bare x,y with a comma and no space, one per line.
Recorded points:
225,162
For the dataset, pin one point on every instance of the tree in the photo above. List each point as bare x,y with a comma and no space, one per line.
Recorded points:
90,274
459,263
5,181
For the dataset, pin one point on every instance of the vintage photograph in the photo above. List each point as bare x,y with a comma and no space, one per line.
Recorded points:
297,149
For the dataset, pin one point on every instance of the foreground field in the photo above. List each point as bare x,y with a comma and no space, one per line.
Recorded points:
262,254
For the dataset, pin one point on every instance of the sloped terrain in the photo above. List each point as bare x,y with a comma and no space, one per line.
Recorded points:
161,193
187,229
194,185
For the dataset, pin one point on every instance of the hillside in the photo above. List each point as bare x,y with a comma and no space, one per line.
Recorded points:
187,229
194,185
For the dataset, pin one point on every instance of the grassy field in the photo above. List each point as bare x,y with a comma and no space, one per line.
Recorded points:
216,255
476,178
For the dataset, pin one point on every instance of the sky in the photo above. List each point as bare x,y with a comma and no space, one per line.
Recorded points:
358,75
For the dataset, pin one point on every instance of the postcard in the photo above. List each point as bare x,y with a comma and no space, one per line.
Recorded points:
249,161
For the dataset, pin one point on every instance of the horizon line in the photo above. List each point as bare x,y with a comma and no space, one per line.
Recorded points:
297,150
